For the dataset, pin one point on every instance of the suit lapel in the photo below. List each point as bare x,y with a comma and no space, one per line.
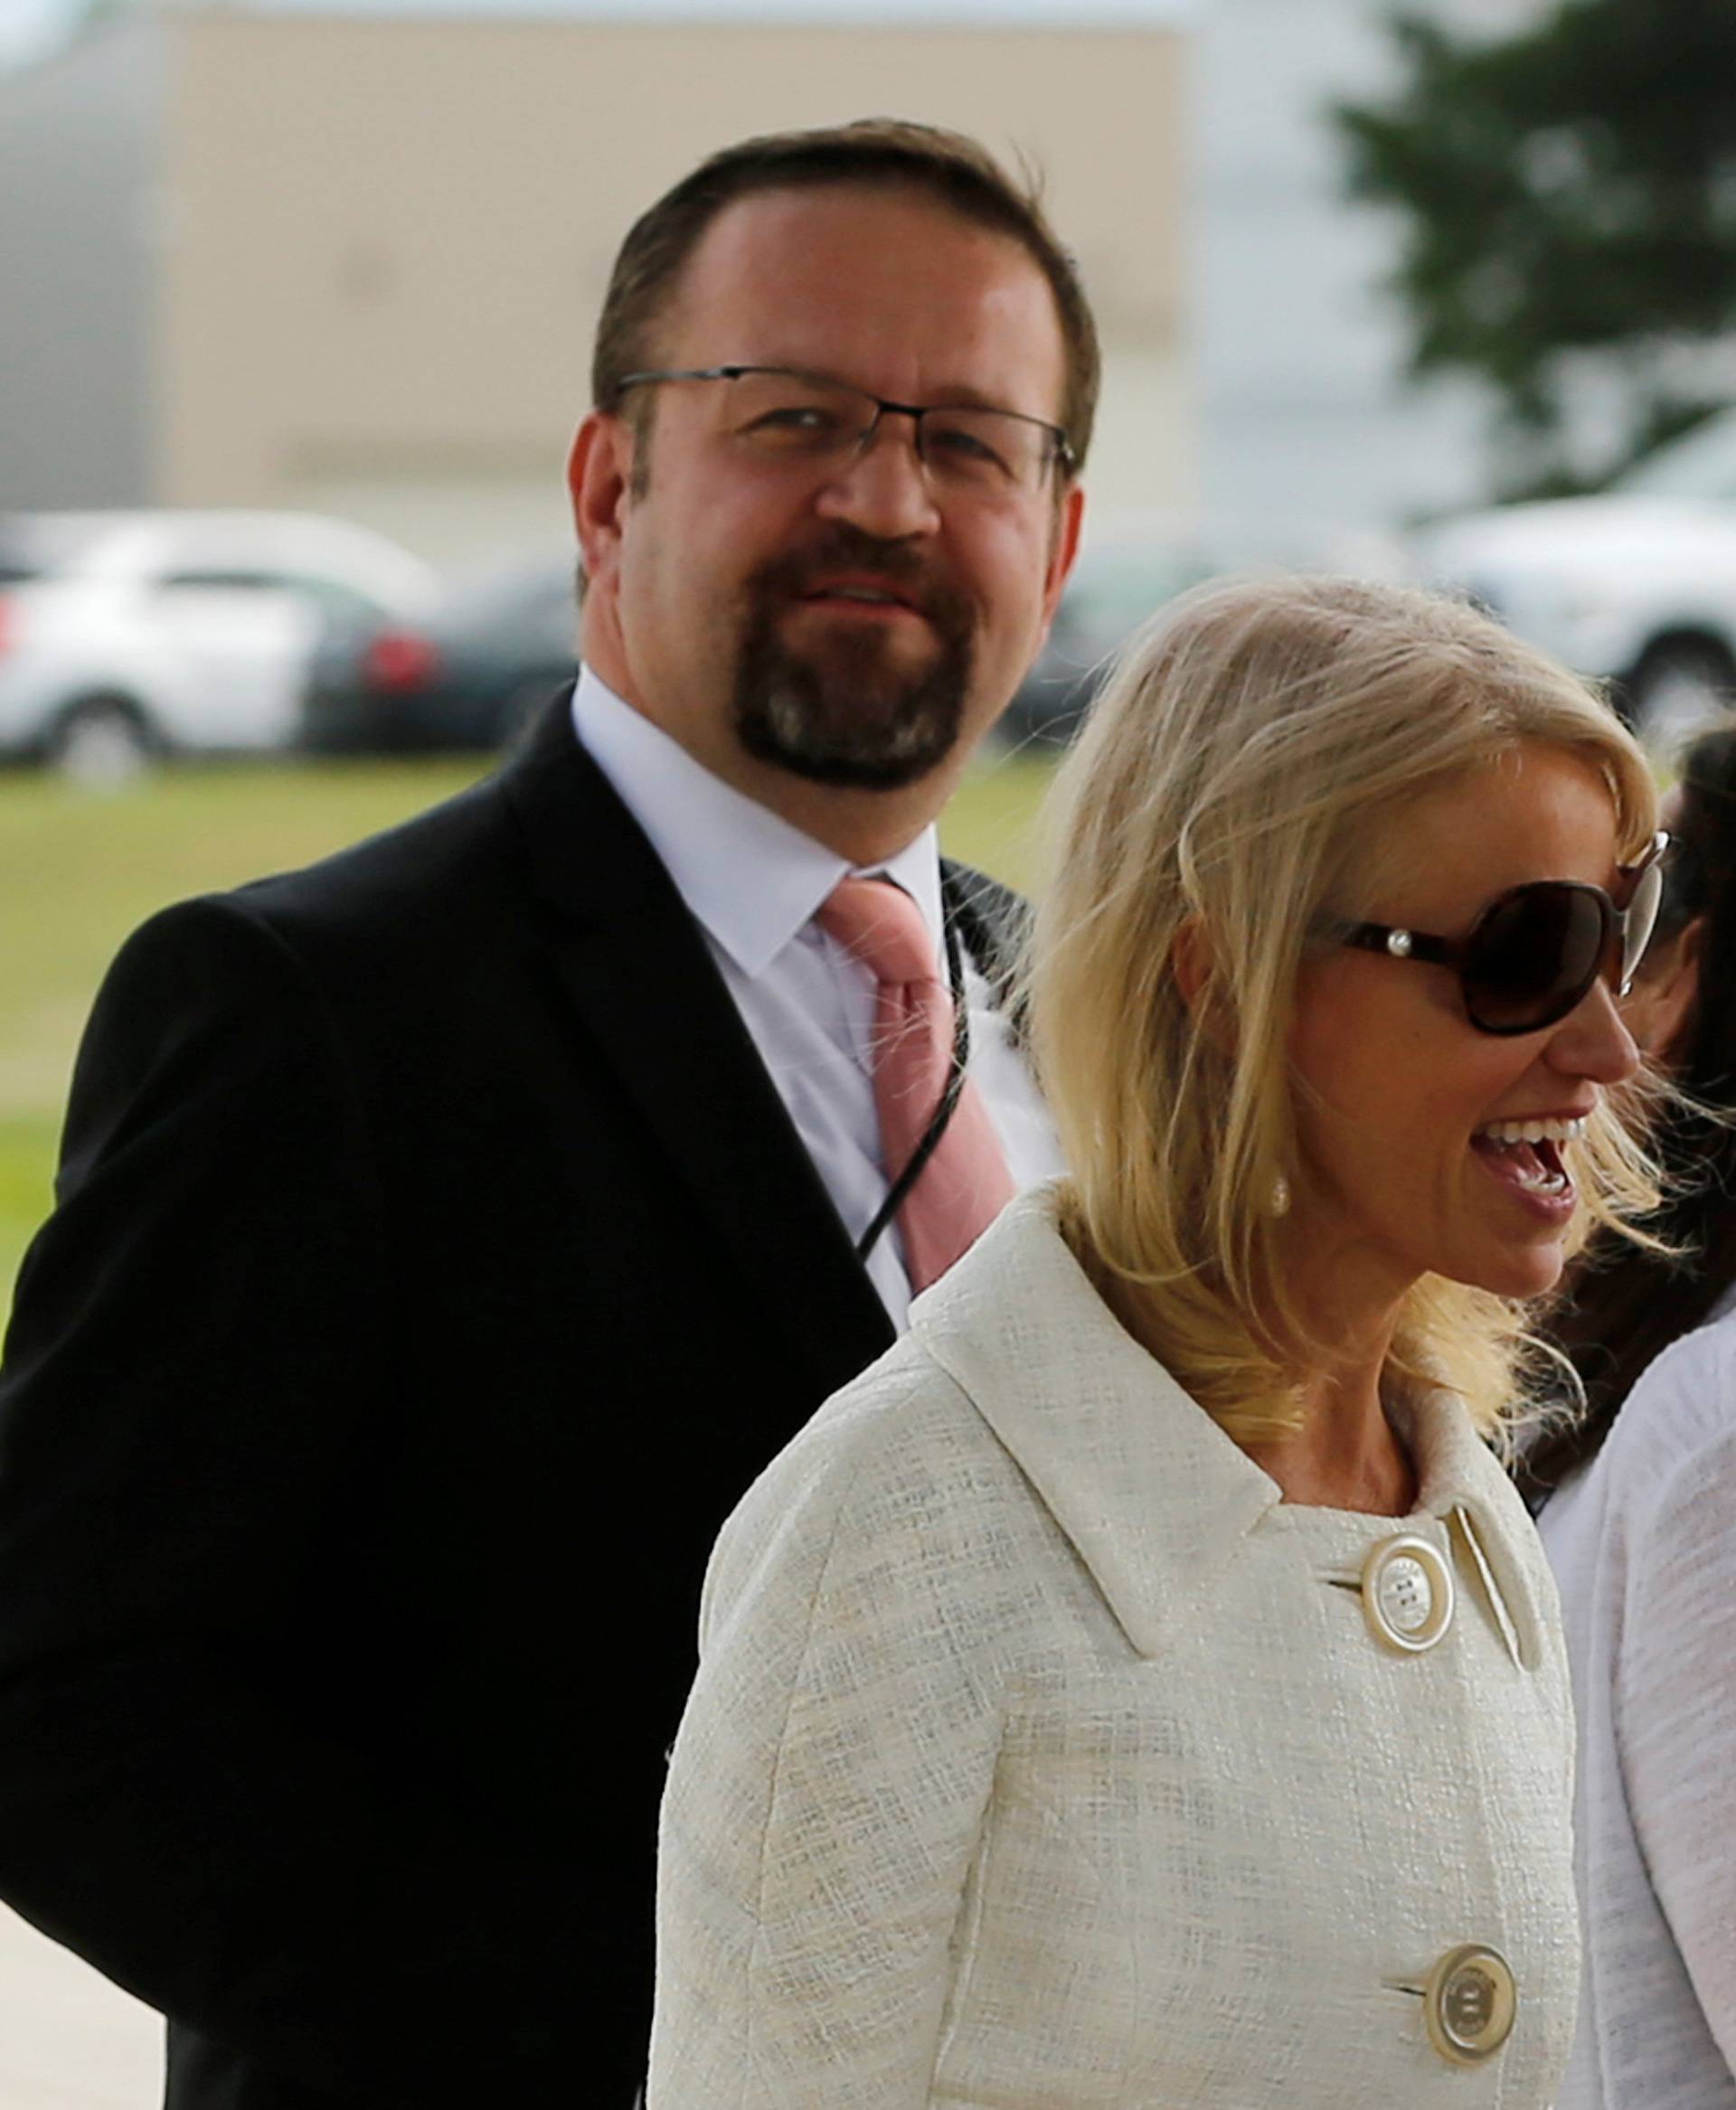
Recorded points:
638,972
994,923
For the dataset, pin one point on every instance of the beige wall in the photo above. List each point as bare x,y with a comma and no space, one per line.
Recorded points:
384,242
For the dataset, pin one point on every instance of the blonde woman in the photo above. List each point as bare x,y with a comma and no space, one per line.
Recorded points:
1143,1687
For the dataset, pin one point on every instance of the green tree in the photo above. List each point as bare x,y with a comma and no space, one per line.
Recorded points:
1568,199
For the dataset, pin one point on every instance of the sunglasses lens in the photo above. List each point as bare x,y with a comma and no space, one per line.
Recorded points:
1642,914
1533,957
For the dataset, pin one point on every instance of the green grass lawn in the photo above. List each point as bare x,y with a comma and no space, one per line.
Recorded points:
79,870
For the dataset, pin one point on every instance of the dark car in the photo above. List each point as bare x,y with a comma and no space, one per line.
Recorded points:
471,676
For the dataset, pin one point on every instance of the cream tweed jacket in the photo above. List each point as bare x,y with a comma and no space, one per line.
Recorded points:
1041,1756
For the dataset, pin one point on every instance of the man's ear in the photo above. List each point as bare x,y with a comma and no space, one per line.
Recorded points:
1063,551
599,477
1659,1010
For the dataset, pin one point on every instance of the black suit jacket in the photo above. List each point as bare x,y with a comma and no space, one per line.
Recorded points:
434,1266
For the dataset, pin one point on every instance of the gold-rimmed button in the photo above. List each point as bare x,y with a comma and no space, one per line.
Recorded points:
1406,1593
1469,2002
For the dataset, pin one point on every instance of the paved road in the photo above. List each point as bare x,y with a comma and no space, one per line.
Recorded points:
70,2040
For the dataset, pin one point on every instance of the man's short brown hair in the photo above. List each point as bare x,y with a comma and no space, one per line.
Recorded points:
874,153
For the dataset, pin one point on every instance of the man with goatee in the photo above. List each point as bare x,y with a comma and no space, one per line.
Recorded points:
449,1233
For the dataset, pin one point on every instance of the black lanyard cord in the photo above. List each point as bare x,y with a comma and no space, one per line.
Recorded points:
936,1127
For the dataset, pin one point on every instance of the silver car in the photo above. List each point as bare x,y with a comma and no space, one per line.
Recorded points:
1636,584
128,635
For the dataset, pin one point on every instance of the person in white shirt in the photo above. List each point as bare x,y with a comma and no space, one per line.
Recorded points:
1144,1685
1643,1543
1641,1533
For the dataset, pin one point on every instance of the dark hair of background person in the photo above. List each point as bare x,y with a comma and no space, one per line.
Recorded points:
1613,1320
874,154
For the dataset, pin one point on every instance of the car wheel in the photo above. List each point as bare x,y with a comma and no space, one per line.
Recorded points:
1680,687
102,742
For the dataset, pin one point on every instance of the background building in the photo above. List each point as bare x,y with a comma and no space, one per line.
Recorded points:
289,259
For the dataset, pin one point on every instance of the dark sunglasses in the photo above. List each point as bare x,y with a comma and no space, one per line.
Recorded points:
1535,952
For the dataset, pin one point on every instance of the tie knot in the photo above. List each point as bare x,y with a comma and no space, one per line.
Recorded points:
877,921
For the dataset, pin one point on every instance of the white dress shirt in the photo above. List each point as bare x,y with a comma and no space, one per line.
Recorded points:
754,883
1643,1542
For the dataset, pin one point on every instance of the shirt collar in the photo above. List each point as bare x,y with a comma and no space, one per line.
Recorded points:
751,879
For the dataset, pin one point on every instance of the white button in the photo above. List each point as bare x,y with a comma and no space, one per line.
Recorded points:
1470,2005
1406,1593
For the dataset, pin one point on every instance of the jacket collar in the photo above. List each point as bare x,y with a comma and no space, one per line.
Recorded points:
1154,1498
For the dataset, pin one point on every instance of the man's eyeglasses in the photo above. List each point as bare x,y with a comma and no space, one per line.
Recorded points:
784,413
1533,953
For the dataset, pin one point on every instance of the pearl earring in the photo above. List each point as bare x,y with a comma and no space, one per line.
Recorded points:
1278,1202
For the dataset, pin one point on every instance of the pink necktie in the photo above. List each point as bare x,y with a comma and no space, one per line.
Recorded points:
966,1184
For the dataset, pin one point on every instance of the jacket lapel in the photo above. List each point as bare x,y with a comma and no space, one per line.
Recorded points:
1154,1498
995,924
638,971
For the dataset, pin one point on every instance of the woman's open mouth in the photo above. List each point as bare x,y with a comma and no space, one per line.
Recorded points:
1526,1157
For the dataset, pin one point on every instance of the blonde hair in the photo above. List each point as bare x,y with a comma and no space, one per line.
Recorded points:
1240,773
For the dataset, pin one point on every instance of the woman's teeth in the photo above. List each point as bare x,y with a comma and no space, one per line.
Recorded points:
1534,1131
1542,1180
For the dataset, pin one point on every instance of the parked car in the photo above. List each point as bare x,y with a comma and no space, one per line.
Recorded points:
1636,585
126,636
470,675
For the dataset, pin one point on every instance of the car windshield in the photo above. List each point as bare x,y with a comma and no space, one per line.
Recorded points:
1702,464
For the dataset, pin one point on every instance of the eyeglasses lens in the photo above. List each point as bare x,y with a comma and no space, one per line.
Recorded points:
1534,956
806,418
787,413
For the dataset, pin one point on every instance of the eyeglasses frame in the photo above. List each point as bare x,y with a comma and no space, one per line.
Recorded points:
1061,455
1400,944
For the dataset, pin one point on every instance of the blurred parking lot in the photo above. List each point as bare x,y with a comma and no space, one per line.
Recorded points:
129,639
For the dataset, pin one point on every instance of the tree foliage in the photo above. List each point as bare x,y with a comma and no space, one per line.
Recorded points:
1569,194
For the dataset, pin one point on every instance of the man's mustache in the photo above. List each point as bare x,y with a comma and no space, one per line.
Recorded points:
914,577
